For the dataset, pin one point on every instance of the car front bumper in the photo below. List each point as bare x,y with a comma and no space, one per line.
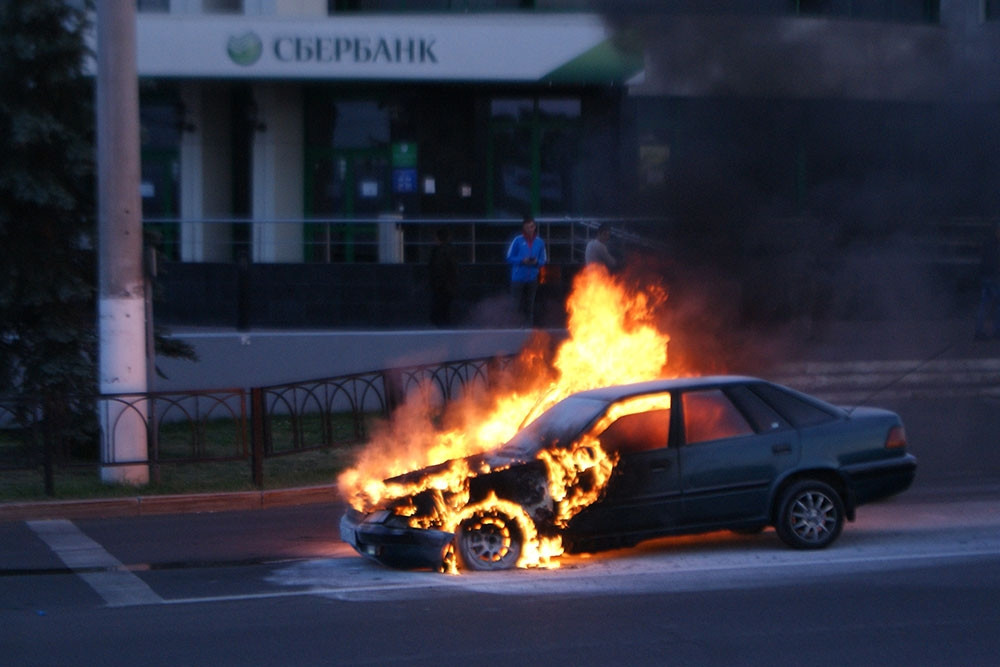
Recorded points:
400,547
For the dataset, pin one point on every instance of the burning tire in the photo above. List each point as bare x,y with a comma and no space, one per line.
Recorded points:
810,515
489,540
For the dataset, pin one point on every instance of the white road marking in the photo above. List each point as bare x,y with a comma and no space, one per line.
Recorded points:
102,571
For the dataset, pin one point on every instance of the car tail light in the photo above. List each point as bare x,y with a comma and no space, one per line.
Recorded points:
897,438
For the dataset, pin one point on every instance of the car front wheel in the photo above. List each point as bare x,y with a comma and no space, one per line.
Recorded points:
810,515
489,540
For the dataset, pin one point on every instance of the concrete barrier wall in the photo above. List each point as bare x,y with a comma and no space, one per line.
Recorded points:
230,359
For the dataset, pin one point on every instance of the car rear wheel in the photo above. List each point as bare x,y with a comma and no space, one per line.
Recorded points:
810,515
489,540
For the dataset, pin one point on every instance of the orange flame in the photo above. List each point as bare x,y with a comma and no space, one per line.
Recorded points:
612,340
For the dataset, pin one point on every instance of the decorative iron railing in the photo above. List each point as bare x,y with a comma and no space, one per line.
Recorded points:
200,427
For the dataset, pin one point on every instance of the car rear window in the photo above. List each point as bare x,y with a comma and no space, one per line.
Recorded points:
797,409
710,415
762,416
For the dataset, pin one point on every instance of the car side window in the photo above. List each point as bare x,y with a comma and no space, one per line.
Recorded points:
762,416
638,432
797,410
710,415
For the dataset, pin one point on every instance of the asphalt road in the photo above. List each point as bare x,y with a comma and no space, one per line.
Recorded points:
913,581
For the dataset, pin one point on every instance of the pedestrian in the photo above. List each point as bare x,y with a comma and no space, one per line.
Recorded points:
526,256
443,269
989,285
597,249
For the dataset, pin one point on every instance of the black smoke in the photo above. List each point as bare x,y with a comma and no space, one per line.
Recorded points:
819,167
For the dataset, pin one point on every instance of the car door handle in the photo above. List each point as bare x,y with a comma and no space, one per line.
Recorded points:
660,465
783,448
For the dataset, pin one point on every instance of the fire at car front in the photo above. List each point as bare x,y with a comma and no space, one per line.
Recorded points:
388,538
490,511
416,526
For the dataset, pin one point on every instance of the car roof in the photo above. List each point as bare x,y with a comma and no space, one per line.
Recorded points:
618,392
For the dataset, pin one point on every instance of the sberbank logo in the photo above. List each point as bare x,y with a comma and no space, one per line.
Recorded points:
245,49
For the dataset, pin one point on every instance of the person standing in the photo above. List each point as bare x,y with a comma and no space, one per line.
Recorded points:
443,269
597,249
526,256
989,277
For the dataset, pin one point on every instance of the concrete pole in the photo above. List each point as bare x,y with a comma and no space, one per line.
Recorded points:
121,296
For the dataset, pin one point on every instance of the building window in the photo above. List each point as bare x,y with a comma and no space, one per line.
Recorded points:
153,5
207,6
901,11
161,121
532,155
222,6
334,6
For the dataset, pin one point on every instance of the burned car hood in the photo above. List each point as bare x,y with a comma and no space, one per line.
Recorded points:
497,459
558,427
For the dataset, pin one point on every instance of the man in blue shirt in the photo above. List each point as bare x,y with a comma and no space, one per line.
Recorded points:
526,256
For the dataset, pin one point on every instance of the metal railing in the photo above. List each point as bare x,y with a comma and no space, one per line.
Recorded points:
211,426
384,239
395,239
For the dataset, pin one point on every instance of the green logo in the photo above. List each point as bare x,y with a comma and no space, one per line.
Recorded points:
245,49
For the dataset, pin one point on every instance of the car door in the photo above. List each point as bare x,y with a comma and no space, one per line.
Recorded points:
731,454
644,494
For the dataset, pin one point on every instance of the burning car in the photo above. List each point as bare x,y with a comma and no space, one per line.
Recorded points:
610,467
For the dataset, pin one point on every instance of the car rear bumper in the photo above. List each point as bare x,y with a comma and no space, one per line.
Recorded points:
393,546
880,479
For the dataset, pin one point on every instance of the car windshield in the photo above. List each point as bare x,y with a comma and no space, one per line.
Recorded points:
556,427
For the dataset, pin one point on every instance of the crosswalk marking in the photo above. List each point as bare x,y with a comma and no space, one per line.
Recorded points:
102,571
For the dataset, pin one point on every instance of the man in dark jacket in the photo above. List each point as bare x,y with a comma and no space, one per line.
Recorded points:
989,276
443,270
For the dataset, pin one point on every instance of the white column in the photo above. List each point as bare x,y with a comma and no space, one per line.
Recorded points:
277,174
206,174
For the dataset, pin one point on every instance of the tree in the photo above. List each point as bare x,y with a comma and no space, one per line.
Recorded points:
47,221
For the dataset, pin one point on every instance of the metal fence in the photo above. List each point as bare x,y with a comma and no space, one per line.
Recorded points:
393,239
385,239
200,427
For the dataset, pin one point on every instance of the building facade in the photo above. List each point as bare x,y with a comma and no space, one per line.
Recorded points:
290,132
288,112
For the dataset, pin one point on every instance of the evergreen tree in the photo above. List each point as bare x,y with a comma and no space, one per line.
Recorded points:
47,211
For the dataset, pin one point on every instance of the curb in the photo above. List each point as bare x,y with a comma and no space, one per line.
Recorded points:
107,508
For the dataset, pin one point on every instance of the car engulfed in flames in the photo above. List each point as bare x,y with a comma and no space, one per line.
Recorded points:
614,466
603,445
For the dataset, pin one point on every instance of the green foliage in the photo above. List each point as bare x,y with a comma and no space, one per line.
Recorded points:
47,222
46,201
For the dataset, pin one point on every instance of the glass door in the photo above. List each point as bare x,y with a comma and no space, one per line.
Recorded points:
347,184
160,171
531,157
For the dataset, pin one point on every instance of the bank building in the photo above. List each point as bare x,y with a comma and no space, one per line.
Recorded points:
299,155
